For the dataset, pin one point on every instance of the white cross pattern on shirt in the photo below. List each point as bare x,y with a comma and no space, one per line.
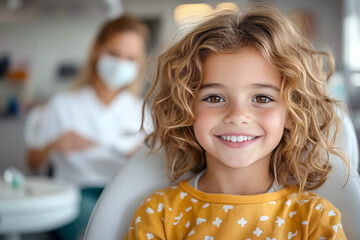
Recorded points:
279,221
257,232
242,222
217,222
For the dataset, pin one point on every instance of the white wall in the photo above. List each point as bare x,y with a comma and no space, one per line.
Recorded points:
328,18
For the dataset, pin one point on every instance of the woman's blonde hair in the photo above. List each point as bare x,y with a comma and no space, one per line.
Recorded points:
302,156
111,28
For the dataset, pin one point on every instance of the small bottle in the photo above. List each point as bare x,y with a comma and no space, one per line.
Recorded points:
14,177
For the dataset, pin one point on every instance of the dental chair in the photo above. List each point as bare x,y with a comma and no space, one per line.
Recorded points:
144,174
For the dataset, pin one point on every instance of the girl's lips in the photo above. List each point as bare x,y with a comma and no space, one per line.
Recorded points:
235,143
237,138
236,134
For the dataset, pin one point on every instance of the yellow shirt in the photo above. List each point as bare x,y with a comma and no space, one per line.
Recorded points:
182,212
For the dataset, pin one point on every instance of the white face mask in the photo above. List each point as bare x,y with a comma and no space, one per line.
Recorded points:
116,73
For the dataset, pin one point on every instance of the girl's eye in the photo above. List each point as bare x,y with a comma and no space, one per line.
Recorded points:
214,99
262,99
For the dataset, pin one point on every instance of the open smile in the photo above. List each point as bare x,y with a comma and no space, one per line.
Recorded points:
233,138
237,141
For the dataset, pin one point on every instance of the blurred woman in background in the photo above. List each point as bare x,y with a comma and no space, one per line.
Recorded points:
90,131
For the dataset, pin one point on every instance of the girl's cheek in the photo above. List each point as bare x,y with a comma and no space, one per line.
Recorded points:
272,117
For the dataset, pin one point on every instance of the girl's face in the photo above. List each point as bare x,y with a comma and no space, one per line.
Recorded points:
240,117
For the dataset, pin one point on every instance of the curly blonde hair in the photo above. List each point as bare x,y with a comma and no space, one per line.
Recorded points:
302,156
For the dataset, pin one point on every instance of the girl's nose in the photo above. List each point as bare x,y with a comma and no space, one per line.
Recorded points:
237,114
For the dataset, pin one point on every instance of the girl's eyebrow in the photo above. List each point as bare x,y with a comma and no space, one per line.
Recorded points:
256,85
261,85
211,85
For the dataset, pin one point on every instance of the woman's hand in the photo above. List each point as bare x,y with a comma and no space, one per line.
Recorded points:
68,142
71,141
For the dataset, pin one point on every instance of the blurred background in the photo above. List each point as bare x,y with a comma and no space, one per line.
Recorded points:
44,43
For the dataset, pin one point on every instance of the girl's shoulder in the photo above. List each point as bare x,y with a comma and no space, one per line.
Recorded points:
165,193
307,198
308,209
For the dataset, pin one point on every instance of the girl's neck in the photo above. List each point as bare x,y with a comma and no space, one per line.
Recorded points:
249,181
105,95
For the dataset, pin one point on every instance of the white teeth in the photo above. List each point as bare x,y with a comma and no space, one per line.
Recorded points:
237,138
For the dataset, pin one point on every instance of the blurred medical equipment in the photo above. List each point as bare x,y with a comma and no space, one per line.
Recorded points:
39,205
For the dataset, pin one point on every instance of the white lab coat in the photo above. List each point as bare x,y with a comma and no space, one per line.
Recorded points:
113,128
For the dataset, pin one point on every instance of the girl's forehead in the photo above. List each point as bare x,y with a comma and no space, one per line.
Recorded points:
244,66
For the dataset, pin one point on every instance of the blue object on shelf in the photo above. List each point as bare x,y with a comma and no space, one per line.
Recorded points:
12,108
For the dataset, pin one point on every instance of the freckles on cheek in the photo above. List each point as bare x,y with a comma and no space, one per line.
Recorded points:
273,119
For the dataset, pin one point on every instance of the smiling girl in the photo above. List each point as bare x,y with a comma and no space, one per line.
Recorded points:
241,100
